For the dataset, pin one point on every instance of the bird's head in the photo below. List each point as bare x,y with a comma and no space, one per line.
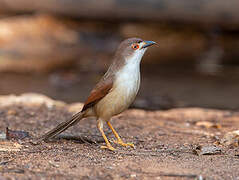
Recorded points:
133,48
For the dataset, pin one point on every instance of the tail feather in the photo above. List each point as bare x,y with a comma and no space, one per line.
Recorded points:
62,126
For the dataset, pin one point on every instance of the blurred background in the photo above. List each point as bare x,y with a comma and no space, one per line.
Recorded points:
61,48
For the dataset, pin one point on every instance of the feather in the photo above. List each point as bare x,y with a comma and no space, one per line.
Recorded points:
62,127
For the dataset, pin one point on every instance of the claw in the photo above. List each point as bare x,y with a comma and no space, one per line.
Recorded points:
108,147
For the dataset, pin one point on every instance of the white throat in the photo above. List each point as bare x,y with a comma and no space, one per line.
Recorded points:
131,68
132,63
128,77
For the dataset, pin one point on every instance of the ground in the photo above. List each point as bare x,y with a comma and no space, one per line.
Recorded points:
169,144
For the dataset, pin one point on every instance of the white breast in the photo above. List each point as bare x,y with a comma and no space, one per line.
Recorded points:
128,78
124,90
127,82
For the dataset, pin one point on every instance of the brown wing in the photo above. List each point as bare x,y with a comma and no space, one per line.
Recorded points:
100,91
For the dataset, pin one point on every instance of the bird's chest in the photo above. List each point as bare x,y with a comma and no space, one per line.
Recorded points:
127,82
123,92
125,88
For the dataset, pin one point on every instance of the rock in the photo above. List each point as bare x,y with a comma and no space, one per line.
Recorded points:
35,43
42,43
75,107
208,124
29,99
208,150
231,139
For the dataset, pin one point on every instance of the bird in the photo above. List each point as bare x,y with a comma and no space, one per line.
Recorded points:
114,93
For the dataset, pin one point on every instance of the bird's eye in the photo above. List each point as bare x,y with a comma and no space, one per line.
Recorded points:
135,46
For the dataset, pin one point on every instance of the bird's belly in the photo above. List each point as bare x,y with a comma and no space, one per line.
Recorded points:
119,99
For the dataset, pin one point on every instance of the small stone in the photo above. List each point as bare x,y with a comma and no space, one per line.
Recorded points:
208,124
11,112
231,138
208,150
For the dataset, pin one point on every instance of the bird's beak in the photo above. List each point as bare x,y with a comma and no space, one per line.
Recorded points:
148,43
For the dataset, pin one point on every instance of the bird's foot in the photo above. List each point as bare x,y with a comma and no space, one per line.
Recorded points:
108,146
120,142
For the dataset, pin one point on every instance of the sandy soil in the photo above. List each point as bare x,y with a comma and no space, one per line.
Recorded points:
168,144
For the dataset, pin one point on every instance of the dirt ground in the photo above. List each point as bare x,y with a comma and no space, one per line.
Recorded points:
168,144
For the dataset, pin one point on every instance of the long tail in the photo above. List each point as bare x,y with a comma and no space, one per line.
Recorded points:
62,127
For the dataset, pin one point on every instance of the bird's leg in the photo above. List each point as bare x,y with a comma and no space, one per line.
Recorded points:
108,145
119,140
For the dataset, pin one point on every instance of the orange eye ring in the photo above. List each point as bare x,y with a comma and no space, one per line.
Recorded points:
135,46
